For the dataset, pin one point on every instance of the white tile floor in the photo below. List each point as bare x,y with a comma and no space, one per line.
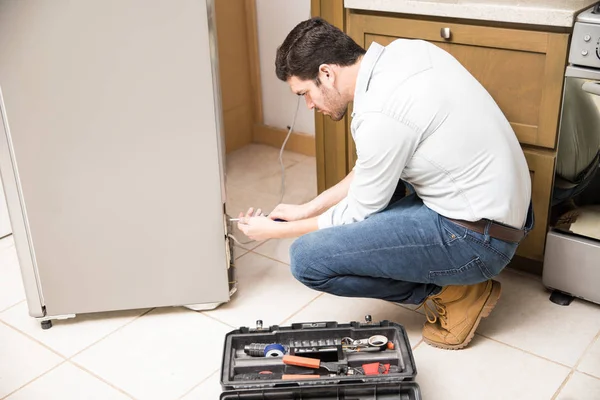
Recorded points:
528,348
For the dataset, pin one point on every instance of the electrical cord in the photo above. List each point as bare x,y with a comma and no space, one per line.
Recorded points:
282,189
281,152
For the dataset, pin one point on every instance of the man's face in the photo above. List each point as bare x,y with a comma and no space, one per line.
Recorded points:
325,98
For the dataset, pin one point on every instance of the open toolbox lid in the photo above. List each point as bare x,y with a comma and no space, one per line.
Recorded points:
343,355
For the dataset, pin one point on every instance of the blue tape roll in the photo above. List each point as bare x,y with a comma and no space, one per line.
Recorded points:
274,350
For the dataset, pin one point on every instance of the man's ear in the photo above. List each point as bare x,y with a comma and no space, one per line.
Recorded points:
327,74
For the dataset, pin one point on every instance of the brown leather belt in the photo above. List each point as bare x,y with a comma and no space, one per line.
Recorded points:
497,231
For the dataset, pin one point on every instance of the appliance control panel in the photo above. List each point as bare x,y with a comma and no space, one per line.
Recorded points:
585,45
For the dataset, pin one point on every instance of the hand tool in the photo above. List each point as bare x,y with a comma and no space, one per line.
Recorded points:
373,343
323,353
313,363
276,219
374,369
268,375
265,350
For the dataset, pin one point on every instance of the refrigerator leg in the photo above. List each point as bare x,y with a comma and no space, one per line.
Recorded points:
46,321
202,307
560,298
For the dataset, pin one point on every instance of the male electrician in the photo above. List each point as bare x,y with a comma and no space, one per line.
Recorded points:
440,195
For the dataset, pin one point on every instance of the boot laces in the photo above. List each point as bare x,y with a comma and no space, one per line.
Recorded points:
437,311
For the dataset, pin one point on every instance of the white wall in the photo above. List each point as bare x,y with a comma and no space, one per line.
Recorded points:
275,19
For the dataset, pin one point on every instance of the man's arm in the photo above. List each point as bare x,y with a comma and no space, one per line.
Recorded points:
330,197
315,207
384,145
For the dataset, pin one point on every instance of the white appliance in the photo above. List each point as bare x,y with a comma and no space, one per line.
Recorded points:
111,154
5,228
572,257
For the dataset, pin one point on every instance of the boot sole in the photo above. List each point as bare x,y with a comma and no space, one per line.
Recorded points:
488,306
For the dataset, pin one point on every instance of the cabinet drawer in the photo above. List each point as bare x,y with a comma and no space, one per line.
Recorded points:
541,169
522,70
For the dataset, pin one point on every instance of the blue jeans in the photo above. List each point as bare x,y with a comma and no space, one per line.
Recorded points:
403,254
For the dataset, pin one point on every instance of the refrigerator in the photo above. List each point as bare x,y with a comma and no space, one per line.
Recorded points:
112,156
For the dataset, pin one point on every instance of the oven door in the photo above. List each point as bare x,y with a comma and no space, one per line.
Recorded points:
576,191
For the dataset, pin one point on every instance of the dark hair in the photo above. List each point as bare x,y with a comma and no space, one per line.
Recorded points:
311,43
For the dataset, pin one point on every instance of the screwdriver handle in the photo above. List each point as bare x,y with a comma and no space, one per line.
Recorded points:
313,363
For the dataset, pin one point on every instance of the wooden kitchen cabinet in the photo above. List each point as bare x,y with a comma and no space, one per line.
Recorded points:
541,168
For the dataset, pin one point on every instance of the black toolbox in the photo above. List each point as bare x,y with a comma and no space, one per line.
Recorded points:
319,361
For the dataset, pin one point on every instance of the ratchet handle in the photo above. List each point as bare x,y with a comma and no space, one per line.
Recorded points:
313,363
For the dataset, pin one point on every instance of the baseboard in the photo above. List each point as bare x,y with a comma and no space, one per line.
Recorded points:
297,143
523,264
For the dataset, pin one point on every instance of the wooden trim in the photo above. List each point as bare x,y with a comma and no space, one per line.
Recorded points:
297,143
541,167
330,137
552,90
320,152
315,8
526,133
461,33
254,59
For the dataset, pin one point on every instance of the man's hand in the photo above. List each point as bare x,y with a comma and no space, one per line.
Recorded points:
258,227
290,212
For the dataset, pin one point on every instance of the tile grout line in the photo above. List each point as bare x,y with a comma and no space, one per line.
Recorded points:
36,378
301,308
588,348
574,369
70,358
268,257
523,350
260,244
14,305
418,344
200,383
99,378
216,319
590,375
563,384
33,339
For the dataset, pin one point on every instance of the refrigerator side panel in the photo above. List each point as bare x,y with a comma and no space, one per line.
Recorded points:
18,217
114,124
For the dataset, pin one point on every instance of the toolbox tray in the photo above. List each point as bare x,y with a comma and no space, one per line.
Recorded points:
398,384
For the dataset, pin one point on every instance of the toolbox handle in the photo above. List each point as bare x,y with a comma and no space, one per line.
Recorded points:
315,325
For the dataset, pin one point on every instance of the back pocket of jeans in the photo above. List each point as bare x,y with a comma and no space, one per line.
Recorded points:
468,274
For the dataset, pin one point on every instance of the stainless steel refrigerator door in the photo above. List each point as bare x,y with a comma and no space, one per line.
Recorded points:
5,228
115,126
13,192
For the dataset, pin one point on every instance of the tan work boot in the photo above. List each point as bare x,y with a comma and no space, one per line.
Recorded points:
459,310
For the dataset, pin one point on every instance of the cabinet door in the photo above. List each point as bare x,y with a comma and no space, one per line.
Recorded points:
522,70
541,169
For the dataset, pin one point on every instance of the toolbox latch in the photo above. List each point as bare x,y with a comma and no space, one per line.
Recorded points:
314,325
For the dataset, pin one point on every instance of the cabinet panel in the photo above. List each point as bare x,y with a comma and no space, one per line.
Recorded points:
541,168
522,70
